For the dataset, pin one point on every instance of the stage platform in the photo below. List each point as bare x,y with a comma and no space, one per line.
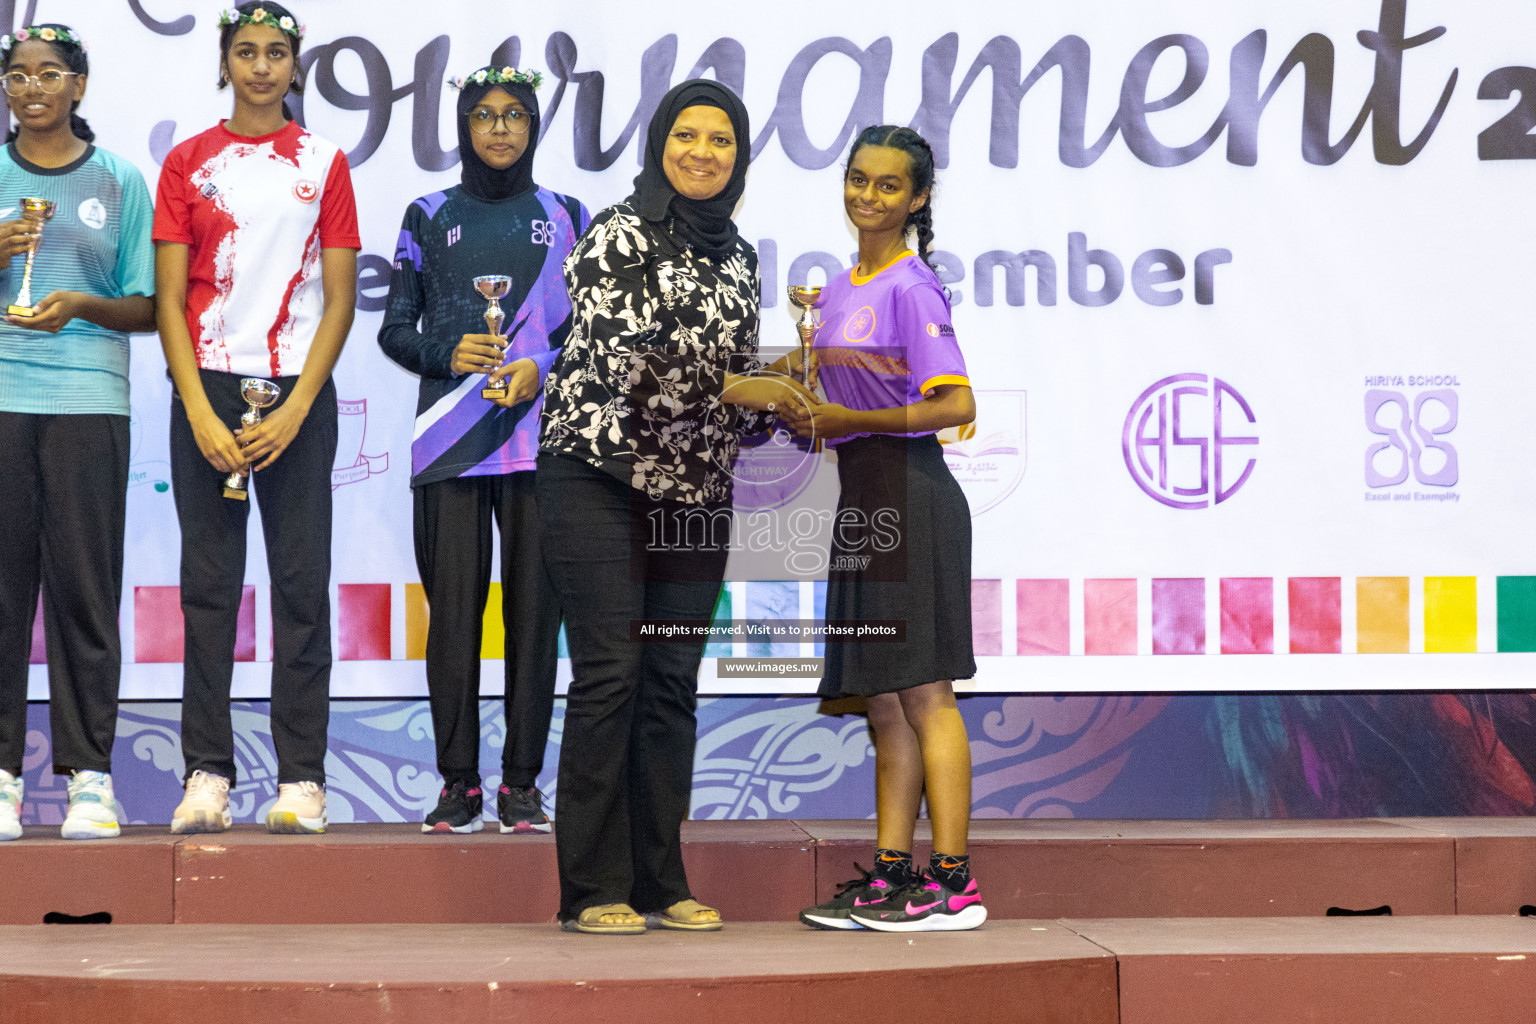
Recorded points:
769,870
1104,971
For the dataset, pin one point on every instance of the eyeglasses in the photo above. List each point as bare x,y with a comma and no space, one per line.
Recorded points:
483,122
15,82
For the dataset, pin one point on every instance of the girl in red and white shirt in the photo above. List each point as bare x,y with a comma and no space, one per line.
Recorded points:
255,275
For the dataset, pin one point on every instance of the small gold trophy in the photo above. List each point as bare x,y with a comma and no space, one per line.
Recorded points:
258,394
493,287
36,212
805,297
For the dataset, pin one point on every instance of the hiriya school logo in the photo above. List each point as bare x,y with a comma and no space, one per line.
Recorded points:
1413,426
93,214
351,430
860,325
1176,438
987,456
305,190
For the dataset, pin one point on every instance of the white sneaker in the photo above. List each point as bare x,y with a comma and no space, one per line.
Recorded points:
300,809
205,808
92,807
10,805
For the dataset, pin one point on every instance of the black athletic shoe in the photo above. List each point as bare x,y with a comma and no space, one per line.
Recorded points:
927,905
522,811
836,913
458,810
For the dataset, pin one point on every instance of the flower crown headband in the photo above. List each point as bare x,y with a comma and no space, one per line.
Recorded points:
260,16
498,76
46,34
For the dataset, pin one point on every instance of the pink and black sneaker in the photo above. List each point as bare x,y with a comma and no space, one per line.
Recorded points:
458,810
926,905
521,811
836,913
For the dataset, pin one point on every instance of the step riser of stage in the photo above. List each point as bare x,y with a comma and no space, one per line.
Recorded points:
1480,970
770,870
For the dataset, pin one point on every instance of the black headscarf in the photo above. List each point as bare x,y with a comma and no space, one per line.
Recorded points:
480,179
703,223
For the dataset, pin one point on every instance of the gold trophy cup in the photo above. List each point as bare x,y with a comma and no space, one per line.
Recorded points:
493,287
258,394
805,297
36,212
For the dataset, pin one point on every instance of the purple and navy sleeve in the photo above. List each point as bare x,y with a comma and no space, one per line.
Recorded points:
400,335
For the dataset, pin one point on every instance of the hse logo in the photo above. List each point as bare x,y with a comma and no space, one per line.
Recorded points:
1176,440
1413,427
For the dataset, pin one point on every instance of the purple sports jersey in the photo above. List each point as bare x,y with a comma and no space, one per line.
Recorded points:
886,339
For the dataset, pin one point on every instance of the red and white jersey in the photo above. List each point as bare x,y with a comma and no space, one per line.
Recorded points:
255,213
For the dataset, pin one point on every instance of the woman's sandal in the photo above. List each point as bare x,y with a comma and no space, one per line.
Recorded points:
591,920
685,915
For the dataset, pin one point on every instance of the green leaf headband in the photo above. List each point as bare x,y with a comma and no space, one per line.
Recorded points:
498,76
46,34
260,16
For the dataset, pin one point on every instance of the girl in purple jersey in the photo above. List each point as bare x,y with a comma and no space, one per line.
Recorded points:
894,376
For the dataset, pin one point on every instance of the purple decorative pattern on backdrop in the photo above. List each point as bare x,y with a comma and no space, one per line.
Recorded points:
1116,756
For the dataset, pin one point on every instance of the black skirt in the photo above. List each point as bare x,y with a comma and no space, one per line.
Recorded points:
901,553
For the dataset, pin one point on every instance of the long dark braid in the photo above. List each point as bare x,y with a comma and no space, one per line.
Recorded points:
921,156
73,56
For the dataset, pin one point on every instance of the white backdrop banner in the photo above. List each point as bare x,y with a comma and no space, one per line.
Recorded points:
1238,286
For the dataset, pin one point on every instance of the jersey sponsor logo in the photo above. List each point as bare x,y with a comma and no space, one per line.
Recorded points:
306,190
208,191
93,214
455,233
937,330
860,325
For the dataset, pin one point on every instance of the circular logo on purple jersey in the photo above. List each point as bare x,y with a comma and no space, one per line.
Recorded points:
1177,438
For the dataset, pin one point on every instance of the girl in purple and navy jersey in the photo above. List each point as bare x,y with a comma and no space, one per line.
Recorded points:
894,376
473,458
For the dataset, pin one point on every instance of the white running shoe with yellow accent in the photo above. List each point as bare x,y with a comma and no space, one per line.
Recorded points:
205,807
300,809
11,787
92,807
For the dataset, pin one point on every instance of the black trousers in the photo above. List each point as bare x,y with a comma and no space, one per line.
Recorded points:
63,502
453,552
626,754
295,496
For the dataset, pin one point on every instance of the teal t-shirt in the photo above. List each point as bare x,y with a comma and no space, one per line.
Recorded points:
98,242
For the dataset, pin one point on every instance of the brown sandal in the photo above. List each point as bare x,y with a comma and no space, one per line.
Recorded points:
590,921
684,916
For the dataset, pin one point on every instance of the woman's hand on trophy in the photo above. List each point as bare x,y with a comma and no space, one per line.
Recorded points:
523,382
15,237
476,353
272,436
216,442
51,314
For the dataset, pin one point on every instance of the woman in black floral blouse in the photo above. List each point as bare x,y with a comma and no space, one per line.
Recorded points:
643,411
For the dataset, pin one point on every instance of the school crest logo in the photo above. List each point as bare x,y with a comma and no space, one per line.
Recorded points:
860,325
93,214
988,455
351,464
305,190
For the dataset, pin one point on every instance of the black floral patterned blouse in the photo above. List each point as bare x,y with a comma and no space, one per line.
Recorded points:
655,327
